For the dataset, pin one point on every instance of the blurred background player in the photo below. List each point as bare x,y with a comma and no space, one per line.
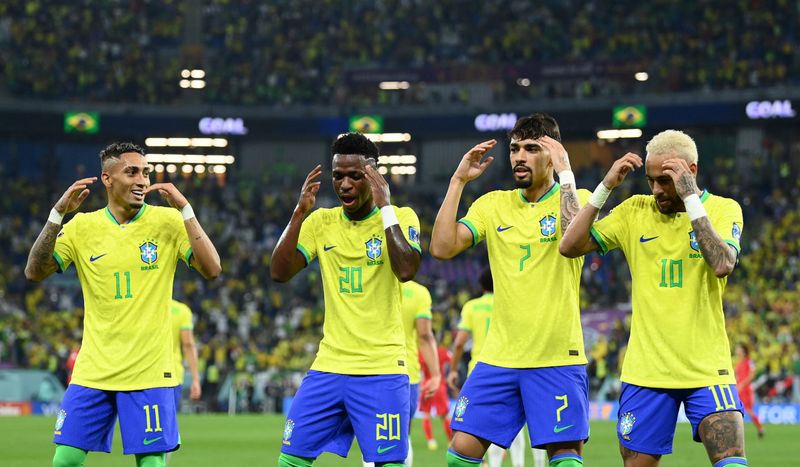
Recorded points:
532,368
358,384
185,351
125,256
438,400
745,373
681,243
476,314
420,341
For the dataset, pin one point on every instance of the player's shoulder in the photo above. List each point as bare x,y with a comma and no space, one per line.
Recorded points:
179,307
721,202
160,213
636,203
404,211
495,197
325,215
416,288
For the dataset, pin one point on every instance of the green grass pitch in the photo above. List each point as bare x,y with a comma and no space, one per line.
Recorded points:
254,440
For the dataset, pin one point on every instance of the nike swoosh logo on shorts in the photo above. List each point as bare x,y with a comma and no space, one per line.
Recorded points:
559,429
148,442
382,449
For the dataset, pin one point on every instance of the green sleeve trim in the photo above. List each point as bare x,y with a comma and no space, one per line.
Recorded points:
424,315
735,246
304,253
597,238
416,247
464,327
60,262
187,258
187,328
472,229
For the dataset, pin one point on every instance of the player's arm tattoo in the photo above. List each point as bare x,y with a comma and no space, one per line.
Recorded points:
723,435
720,256
687,184
405,259
40,259
569,205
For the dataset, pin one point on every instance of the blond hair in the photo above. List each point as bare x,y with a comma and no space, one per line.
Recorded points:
673,141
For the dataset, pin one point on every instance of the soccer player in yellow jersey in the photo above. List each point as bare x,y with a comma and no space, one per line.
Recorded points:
680,243
532,368
476,315
185,350
125,255
358,385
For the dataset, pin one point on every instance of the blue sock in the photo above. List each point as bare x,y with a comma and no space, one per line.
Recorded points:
731,461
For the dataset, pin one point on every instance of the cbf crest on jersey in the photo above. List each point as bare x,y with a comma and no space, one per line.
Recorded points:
287,431
693,241
413,234
148,251
736,231
374,250
626,422
547,225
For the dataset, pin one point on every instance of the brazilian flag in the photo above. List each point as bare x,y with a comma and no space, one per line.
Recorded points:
366,124
82,122
629,116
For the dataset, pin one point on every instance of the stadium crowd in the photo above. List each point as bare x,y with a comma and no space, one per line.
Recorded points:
277,53
257,338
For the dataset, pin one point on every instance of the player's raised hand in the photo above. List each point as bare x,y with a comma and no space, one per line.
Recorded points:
471,166
431,386
558,155
308,194
378,185
685,181
169,192
74,196
620,169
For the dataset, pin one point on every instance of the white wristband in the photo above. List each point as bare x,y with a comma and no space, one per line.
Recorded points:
389,217
55,217
566,177
694,207
187,212
600,195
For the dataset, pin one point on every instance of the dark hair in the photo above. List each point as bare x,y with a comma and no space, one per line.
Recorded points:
534,127
745,349
114,150
486,280
355,143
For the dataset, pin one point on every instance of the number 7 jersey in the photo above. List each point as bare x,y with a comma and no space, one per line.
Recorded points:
678,338
126,273
363,328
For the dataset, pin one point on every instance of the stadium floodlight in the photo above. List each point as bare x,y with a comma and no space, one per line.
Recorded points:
159,167
388,137
616,134
198,74
155,142
220,169
403,170
198,84
394,85
641,76
185,83
199,168
187,169
524,82
186,73
383,170
172,168
220,142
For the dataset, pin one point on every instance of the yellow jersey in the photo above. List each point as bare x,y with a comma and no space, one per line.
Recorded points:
536,319
363,329
126,273
476,315
416,305
678,337
181,316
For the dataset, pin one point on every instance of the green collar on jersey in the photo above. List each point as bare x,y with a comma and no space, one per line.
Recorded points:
374,211
138,214
547,194
704,195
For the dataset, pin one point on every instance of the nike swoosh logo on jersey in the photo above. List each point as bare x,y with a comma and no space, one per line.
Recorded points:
645,240
92,259
382,449
326,247
500,228
559,429
148,442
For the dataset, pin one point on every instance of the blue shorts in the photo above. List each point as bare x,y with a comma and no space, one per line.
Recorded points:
147,420
178,393
647,416
330,409
413,402
496,402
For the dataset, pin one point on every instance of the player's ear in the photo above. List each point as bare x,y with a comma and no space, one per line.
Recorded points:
693,168
106,179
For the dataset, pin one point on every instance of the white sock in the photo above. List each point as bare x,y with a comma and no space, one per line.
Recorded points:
539,458
518,450
495,455
410,458
368,464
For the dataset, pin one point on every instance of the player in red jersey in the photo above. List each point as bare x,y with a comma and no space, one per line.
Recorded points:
439,401
745,373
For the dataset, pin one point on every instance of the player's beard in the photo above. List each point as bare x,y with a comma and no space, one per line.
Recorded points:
523,182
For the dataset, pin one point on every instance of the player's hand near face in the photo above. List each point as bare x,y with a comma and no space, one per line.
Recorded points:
620,169
378,185
169,192
74,196
558,155
430,386
308,194
682,176
471,166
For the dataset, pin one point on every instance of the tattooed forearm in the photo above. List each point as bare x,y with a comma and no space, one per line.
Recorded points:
40,259
723,435
687,185
717,254
569,206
